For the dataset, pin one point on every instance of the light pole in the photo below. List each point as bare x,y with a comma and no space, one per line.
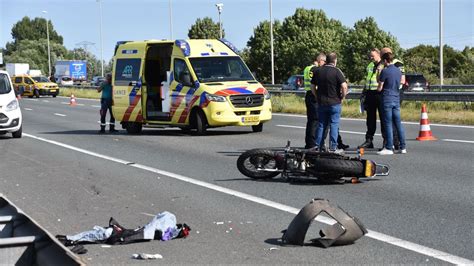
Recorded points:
171,21
101,42
441,75
49,51
271,43
219,9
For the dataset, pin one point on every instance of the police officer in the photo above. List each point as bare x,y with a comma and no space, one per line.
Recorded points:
311,103
372,102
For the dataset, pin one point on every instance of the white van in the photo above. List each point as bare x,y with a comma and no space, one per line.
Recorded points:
10,113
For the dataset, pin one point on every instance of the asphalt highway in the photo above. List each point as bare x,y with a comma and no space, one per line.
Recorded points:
69,178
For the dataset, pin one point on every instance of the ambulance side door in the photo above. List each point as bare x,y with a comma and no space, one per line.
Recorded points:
181,90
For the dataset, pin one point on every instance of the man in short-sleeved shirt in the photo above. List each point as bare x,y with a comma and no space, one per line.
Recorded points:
389,83
331,90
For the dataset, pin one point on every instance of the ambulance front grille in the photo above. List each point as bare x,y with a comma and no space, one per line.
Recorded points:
246,100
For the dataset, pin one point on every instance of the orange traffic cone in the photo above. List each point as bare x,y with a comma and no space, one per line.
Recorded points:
72,101
425,130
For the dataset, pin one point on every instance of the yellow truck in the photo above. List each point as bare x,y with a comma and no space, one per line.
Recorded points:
26,85
190,84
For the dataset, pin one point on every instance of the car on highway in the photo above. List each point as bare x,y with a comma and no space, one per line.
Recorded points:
295,82
96,81
65,81
26,85
10,113
415,83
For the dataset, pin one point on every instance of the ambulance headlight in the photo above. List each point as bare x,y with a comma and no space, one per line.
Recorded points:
215,98
266,94
13,105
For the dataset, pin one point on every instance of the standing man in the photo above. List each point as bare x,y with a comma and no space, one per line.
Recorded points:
372,102
311,102
312,107
389,86
399,65
106,103
331,87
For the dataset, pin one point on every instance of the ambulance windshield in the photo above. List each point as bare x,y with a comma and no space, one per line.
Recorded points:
217,69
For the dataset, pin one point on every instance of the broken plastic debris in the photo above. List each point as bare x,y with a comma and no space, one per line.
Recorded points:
106,246
219,222
145,256
273,248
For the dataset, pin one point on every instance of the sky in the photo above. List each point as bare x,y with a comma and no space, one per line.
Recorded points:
412,22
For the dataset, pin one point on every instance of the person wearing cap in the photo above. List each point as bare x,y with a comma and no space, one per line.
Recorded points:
106,103
389,84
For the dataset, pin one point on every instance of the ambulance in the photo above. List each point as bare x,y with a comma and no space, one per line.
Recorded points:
190,84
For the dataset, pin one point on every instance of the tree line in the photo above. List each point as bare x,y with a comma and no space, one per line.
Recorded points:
297,40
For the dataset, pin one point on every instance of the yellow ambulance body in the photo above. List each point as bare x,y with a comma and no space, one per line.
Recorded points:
191,84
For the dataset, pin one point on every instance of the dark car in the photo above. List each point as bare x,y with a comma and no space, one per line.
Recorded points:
416,83
295,82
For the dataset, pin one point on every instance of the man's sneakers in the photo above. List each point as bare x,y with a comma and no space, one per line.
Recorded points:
385,151
402,151
337,151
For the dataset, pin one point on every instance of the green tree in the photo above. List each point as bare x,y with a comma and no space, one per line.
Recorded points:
257,55
35,53
359,41
32,29
205,29
303,36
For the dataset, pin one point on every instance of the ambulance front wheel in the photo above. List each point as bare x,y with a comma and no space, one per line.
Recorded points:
257,128
199,122
133,128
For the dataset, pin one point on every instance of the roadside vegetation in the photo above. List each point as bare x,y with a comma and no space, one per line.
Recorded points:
438,112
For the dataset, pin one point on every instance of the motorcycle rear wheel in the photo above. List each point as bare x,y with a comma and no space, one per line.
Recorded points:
339,167
250,161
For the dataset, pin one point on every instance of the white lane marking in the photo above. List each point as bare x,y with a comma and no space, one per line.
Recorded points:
363,120
98,106
376,134
46,101
79,104
444,256
64,103
456,140
28,109
59,114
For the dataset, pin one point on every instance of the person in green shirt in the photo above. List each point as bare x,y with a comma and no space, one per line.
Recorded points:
106,103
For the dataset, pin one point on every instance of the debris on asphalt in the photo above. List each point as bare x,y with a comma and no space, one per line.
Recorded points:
162,227
145,256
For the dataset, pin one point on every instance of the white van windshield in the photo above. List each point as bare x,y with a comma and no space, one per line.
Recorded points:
228,68
5,85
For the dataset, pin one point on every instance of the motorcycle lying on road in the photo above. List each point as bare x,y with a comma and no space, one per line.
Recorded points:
294,163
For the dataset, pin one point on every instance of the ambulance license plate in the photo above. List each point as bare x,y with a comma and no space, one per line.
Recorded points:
250,119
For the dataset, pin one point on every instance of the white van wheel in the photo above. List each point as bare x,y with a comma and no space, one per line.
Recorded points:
17,134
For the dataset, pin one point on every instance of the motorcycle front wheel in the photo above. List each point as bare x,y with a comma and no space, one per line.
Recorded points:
258,164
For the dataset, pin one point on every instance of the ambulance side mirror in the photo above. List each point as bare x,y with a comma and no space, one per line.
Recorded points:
186,79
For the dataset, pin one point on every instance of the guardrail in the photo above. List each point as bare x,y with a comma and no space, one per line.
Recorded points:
438,93
407,96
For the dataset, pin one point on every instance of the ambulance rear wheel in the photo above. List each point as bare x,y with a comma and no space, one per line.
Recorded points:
200,123
133,128
257,128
